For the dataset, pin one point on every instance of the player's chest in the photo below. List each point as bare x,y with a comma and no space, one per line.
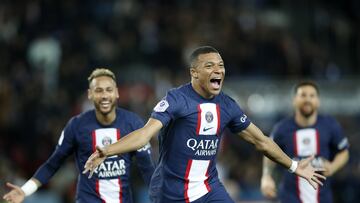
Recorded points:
88,138
205,118
307,141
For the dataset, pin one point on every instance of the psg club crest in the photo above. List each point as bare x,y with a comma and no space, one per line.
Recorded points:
306,141
106,141
209,117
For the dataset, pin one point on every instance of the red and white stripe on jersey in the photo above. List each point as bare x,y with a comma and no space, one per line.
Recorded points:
196,179
109,190
208,119
306,144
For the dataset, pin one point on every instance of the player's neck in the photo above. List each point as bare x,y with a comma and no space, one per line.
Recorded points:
106,119
305,121
198,89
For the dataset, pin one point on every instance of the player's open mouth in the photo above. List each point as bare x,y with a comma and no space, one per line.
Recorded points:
105,104
215,83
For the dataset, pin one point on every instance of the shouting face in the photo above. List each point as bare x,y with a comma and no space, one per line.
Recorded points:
208,74
306,101
103,93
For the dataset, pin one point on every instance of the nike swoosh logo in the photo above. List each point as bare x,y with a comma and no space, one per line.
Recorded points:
206,129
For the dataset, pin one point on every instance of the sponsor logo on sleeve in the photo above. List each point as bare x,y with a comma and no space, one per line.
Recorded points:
243,118
161,106
145,148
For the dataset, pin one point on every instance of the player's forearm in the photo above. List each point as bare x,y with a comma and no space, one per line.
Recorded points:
136,139
340,160
266,145
274,153
131,142
268,167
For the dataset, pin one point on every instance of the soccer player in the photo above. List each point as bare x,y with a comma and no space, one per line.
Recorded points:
306,133
98,127
191,119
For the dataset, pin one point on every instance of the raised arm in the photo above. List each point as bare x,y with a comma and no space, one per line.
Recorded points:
271,150
133,141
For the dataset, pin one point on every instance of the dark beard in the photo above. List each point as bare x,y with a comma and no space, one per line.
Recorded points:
98,109
307,114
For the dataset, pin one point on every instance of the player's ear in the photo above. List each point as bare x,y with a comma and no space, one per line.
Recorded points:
194,73
89,94
117,93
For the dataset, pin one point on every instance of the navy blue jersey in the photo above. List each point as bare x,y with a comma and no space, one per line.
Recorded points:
324,139
110,182
189,142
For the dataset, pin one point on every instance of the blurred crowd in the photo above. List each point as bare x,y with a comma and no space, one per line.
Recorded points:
48,48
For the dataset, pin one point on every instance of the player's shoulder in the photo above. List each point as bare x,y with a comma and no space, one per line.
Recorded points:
82,117
327,120
124,113
288,120
226,99
180,90
178,94
284,124
326,117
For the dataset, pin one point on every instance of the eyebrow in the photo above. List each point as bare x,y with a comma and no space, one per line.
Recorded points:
211,62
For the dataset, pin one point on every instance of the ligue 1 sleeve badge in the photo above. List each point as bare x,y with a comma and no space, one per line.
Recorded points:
161,106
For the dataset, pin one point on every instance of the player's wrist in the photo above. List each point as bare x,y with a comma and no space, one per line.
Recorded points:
29,187
293,166
106,151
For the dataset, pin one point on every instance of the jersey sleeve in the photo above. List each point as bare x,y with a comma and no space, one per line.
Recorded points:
239,120
64,148
168,108
338,141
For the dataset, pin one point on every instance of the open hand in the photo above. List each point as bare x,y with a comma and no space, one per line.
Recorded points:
16,195
311,174
94,161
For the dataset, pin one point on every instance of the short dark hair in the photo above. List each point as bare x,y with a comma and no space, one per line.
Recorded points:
198,51
306,83
101,72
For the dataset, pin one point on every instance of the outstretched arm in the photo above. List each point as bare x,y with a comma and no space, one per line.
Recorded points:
131,142
271,150
135,140
17,194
